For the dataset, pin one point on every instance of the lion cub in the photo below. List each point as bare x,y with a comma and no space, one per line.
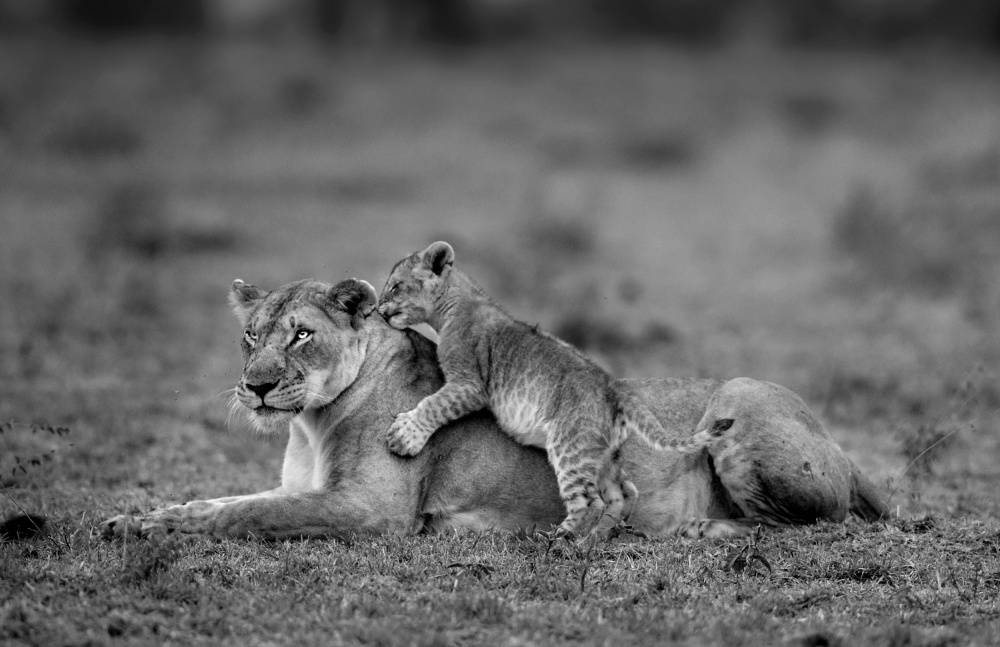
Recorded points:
542,391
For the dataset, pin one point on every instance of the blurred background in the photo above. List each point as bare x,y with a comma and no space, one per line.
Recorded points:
802,192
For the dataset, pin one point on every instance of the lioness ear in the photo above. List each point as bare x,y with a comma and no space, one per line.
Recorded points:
355,297
244,298
438,257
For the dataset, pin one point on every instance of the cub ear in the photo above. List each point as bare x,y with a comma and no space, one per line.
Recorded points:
244,298
355,297
438,257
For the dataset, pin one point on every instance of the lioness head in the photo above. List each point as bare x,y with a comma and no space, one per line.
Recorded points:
413,285
301,346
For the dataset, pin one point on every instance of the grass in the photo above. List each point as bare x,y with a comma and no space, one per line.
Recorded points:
822,221
895,583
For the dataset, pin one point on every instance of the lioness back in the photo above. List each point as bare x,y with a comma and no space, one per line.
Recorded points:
542,391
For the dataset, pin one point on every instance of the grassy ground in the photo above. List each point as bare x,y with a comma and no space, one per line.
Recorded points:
828,222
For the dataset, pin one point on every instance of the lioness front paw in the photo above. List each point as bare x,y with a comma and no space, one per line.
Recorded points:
405,437
126,525
195,517
120,526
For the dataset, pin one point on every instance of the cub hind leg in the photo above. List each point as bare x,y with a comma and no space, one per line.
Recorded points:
577,457
591,480
581,495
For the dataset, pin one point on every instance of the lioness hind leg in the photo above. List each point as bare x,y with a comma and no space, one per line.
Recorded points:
716,528
776,461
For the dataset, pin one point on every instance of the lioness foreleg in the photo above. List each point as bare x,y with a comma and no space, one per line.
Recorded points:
260,516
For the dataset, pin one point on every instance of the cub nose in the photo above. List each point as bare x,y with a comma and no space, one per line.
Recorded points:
262,389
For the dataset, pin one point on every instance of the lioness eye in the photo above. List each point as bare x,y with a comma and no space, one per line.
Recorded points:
303,334
250,336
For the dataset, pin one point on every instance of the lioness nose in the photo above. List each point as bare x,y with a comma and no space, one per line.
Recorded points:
262,389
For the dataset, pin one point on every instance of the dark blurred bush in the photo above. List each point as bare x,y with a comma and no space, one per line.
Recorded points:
887,22
119,16
434,20
830,22
685,20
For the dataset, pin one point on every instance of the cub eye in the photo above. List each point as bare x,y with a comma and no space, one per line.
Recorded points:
250,337
303,334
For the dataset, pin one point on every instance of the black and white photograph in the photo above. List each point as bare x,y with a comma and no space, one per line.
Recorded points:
500,322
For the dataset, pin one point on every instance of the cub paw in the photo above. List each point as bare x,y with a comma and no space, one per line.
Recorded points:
631,494
405,437
584,512
619,496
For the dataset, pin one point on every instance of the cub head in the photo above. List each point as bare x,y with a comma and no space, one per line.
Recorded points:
302,346
414,284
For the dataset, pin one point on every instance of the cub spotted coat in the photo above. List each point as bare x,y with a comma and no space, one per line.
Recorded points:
542,391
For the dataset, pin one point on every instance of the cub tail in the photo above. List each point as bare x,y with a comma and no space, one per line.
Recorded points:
632,416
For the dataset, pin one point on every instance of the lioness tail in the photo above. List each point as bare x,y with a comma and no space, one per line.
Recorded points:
866,501
632,416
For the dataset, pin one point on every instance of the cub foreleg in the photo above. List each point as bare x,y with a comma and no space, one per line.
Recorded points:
412,429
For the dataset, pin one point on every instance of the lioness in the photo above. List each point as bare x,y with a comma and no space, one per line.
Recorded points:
542,391
320,364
